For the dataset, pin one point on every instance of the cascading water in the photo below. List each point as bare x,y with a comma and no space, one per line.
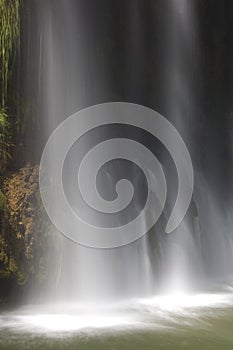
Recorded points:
68,63
74,74
89,273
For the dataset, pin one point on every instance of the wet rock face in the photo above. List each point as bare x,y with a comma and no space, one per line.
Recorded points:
24,229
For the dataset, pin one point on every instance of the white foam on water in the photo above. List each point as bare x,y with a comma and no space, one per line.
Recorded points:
125,315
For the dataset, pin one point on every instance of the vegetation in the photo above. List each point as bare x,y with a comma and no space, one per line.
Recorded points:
9,33
9,37
5,139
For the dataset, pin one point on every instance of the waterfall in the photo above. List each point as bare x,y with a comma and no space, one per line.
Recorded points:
79,68
124,115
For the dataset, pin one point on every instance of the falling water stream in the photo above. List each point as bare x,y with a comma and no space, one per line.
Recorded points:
161,291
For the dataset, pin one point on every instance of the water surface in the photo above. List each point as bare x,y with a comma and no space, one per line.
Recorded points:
201,321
